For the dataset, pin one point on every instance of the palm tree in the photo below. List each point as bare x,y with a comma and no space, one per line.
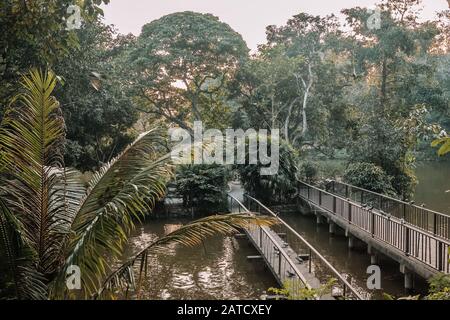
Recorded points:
50,222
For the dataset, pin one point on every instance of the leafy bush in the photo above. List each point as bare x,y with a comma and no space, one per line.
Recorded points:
331,169
308,171
382,143
369,176
439,287
277,188
203,187
445,147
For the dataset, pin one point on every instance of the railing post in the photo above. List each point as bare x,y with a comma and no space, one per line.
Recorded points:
373,224
334,204
308,192
279,263
310,260
349,212
346,191
440,257
435,224
406,239
260,237
404,211
320,198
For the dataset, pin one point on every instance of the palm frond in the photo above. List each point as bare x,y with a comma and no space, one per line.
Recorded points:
189,235
28,282
121,193
445,148
31,138
7,251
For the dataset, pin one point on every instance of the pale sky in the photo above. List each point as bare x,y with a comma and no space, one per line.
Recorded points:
248,17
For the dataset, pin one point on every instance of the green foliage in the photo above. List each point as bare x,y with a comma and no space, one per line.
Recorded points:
97,103
387,296
303,293
34,34
187,60
277,188
49,221
296,82
439,287
203,187
308,171
383,144
445,148
55,221
404,83
370,177
331,169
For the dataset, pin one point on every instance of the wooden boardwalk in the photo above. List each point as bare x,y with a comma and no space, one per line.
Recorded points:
409,241
284,262
291,270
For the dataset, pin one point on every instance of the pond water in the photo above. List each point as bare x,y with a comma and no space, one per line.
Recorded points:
217,270
353,263
220,270
433,188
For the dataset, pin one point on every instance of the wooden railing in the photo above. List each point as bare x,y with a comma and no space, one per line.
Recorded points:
286,266
414,241
423,218
274,255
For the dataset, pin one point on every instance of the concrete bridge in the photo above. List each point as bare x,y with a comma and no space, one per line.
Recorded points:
416,237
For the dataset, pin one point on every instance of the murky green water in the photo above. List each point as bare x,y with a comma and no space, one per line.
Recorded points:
220,269
352,264
434,181
217,270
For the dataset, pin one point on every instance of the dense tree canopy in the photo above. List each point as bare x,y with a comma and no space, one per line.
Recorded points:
373,93
95,95
34,34
182,64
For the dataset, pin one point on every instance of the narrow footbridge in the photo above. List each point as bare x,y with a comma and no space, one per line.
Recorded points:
296,271
414,236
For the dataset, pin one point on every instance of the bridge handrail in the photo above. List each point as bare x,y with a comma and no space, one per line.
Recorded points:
437,262
275,243
392,198
310,247
361,206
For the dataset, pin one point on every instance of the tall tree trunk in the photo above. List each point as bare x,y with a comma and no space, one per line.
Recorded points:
305,99
384,76
287,120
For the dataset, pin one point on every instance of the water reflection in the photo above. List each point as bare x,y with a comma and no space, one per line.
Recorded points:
351,263
434,181
218,269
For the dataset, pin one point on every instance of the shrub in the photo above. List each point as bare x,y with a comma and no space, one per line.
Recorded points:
203,187
308,171
278,188
369,176
439,287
